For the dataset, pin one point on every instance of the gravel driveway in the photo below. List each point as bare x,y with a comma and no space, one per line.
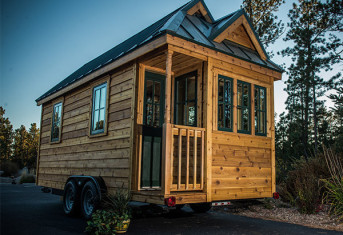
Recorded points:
26,210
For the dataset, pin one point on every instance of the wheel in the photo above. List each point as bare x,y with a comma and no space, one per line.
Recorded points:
71,198
89,199
201,207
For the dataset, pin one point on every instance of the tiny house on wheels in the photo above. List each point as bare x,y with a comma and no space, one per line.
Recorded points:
180,113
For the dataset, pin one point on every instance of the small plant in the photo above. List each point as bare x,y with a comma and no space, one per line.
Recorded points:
334,185
27,178
268,203
103,222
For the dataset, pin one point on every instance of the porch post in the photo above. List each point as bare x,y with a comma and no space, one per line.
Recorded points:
167,130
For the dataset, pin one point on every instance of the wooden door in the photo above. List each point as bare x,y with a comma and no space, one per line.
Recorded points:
152,130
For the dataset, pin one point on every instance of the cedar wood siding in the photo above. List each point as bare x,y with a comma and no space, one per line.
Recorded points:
108,155
242,164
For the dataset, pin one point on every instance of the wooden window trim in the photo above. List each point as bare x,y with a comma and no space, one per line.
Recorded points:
245,107
259,110
223,102
108,89
60,100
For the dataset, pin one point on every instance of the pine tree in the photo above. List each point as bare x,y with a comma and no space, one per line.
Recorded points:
6,136
265,23
312,53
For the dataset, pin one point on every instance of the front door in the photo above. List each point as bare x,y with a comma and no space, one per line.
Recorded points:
152,130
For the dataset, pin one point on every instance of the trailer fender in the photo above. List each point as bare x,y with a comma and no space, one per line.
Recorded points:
98,181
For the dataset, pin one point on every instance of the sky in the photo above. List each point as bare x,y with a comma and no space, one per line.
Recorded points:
43,42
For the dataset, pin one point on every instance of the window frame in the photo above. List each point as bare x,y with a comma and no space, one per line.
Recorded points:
184,76
259,110
96,87
56,140
225,104
244,107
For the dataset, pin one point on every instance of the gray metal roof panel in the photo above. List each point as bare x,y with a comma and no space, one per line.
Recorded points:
176,23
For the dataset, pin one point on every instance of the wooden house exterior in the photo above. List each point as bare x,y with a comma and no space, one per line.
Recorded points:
183,109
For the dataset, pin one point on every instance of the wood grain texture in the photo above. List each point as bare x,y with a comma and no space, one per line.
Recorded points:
109,155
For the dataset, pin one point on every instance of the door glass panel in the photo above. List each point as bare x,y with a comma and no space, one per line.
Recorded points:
149,91
180,113
157,116
181,90
157,93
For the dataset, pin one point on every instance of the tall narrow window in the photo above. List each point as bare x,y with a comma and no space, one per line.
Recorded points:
225,103
260,110
56,122
99,109
186,100
243,107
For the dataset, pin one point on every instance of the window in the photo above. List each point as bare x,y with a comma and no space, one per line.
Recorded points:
56,122
186,100
99,109
260,110
243,107
225,103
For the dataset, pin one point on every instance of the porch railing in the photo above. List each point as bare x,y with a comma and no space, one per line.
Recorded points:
187,158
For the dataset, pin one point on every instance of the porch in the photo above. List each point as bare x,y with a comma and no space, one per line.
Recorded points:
179,113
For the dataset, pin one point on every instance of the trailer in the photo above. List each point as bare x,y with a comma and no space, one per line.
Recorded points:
180,113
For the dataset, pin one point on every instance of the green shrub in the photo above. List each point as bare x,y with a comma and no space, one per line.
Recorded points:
26,178
103,222
303,187
9,168
334,185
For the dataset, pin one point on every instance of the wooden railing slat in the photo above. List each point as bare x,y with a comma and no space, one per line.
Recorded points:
202,159
195,160
187,168
180,155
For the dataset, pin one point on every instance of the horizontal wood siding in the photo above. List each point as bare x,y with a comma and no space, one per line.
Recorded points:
107,156
241,166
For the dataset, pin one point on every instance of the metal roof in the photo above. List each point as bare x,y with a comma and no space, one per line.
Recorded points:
178,23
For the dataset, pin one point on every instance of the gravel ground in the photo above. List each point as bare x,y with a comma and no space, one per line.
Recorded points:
291,215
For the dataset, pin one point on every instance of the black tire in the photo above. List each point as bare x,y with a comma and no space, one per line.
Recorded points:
71,198
89,200
201,207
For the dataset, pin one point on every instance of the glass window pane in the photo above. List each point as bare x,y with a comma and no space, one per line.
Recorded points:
228,116
181,90
239,93
157,93
262,99
262,122
239,118
221,90
256,120
221,116
191,114
95,120
227,92
103,97
97,98
149,91
102,115
245,119
256,91
191,88
245,95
